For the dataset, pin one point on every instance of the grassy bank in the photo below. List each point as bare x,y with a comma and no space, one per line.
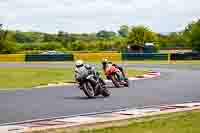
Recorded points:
187,122
29,77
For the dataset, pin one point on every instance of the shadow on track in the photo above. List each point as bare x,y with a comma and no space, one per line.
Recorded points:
82,98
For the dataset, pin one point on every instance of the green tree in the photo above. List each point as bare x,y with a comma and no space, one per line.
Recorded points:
162,40
106,34
6,46
51,46
30,46
192,35
176,39
120,43
2,35
23,38
123,31
140,35
76,46
60,36
48,38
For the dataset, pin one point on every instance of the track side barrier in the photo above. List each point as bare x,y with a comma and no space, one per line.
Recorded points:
12,57
97,56
60,57
185,56
144,56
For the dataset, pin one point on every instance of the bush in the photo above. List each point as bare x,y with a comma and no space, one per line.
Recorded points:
42,46
51,46
8,47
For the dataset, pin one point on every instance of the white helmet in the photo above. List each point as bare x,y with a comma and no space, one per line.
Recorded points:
105,60
79,63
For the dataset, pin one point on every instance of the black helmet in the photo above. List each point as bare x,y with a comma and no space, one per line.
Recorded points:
88,66
104,61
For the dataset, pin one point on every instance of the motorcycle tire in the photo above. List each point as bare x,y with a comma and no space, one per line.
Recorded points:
88,89
106,93
127,83
115,80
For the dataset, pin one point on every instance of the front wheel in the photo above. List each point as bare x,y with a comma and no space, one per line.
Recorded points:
88,89
106,93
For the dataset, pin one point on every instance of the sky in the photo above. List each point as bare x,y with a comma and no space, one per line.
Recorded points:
88,16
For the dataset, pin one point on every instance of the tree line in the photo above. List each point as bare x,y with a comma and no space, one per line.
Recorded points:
17,41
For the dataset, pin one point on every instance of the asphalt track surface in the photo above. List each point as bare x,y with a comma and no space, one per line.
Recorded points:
177,84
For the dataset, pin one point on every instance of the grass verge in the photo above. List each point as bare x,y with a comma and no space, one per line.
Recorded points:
28,77
184,122
175,123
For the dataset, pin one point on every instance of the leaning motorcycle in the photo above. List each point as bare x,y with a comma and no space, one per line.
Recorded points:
116,76
92,85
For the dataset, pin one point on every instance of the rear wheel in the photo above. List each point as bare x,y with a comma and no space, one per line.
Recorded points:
88,89
126,83
114,79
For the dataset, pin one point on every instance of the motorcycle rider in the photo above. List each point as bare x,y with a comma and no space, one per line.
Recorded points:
83,70
105,64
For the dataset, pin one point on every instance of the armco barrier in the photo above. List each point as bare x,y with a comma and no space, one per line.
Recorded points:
185,56
177,56
97,56
144,56
59,57
12,57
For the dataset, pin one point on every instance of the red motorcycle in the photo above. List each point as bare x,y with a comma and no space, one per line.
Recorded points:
116,76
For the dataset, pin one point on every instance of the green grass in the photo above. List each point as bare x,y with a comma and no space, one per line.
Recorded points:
185,122
176,123
29,77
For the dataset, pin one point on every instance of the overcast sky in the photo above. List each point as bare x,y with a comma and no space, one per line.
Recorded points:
94,15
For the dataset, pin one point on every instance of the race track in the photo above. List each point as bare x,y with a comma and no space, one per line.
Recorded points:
177,84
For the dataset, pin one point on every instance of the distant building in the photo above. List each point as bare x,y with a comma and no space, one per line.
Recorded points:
137,48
